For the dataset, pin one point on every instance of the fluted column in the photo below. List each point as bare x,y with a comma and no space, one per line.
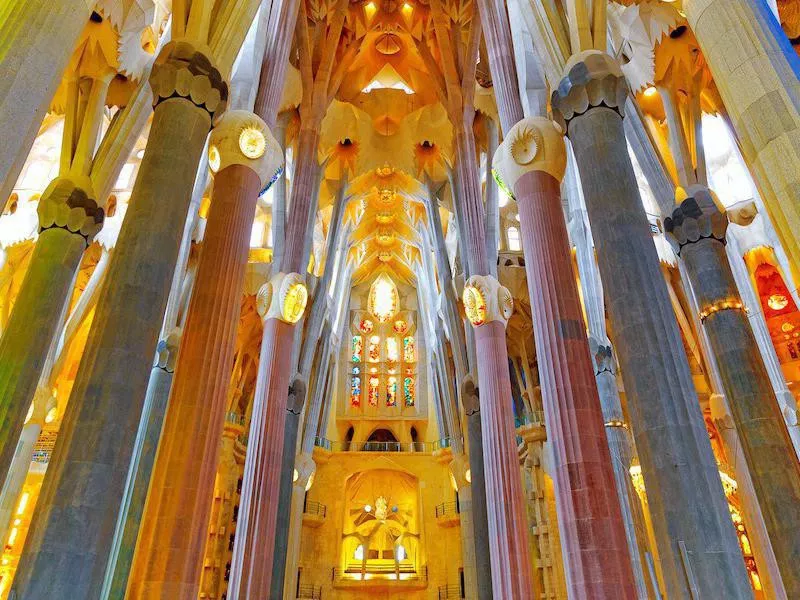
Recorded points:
757,73
245,156
141,467
36,42
696,230
531,161
68,546
281,303
69,217
697,542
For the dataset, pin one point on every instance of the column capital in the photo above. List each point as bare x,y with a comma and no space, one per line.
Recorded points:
167,351
697,217
69,203
184,70
242,138
591,78
533,144
485,300
284,297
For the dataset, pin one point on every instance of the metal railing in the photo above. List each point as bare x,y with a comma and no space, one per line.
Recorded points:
388,573
306,591
315,508
448,592
424,447
447,509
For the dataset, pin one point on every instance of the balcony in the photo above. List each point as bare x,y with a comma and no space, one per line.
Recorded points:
448,514
314,513
376,577
450,592
415,447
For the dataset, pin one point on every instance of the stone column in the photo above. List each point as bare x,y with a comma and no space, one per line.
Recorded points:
480,525
281,303
68,546
15,478
531,161
696,230
37,38
245,158
69,217
697,543
757,73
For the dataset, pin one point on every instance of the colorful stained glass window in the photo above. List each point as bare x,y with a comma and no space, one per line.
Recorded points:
408,391
374,382
391,391
383,299
358,347
409,349
366,326
355,388
392,350
374,349
400,326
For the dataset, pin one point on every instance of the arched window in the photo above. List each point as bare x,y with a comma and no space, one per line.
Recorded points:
513,239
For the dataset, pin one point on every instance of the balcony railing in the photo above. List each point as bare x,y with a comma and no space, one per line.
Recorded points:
374,573
422,447
306,591
315,508
450,592
447,509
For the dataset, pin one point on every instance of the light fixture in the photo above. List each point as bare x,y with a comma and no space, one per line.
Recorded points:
777,301
213,158
367,508
721,305
252,142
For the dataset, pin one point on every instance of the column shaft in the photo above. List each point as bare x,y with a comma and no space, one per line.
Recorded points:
254,547
597,565
697,543
480,518
32,327
15,478
68,546
773,466
181,490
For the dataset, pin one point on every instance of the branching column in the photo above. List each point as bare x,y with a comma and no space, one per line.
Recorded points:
67,548
69,217
246,157
531,161
757,73
696,230
697,542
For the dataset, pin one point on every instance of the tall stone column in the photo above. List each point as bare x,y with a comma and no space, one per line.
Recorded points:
480,524
697,543
69,217
36,42
281,303
141,466
531,161
696,230
245,157
757,73
68,546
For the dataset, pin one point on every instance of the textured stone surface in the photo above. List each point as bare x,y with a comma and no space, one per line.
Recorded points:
181,491
67,548
697,231
685,497
590,521
757,73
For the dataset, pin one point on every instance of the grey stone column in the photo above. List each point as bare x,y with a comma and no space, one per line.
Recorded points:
141,467
698,547
480,527
696,230
68,546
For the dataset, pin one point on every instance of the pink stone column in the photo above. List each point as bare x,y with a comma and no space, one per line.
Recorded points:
589,517
169,555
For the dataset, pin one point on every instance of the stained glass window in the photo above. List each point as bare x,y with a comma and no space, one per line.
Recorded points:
374,382
355,387
391,391
366,326
409,349
383,299
374,349
358,346
392,352
400,326
408,390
